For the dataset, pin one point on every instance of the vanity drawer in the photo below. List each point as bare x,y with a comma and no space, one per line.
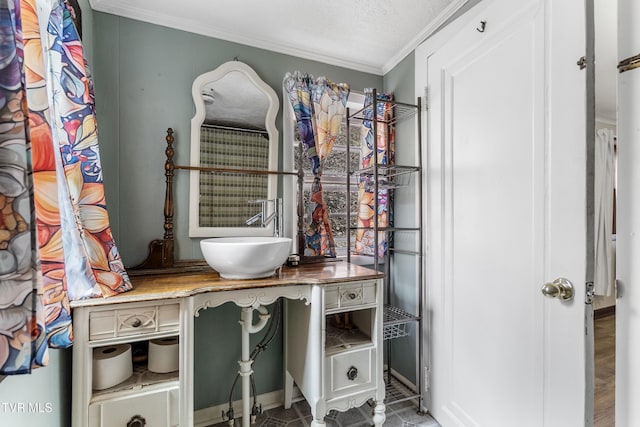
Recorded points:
350,372
152,409
350,295
133,321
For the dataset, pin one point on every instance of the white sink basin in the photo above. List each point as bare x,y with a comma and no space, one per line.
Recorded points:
246,257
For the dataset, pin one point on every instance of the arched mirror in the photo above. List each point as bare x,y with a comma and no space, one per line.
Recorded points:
233,138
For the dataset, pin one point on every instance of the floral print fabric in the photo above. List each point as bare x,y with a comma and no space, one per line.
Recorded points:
22,321
380,151
78,257
319,106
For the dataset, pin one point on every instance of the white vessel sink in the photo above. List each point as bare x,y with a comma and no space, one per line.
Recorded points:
246,257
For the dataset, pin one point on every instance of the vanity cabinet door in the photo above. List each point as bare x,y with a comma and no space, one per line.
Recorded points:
153,409
350,372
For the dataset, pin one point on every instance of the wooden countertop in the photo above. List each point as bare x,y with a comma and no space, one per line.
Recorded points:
167,284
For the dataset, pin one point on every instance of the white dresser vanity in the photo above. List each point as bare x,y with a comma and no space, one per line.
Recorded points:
334,369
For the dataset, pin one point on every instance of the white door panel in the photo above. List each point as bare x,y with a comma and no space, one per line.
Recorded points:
628,225
492,224
505,214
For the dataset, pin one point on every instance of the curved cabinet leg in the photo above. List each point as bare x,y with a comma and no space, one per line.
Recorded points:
319,423
379,415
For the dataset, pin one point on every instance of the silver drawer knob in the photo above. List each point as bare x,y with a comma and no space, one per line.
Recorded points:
136,323
352,295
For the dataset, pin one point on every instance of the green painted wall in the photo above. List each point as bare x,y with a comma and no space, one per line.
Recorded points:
400,80
402,352
143,76
40,399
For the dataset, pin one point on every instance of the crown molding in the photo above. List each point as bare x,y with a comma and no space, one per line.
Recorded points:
429,30
128,10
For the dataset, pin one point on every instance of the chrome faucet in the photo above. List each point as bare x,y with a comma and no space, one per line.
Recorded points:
265,218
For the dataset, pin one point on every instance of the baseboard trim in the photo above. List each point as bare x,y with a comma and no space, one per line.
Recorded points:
401,378
604,312
213,414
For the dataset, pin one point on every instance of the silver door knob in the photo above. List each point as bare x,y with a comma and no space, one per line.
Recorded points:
560,288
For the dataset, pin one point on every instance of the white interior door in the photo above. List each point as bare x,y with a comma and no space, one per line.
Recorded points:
505,184
628,221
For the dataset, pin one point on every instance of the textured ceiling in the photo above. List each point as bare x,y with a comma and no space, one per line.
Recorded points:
365,35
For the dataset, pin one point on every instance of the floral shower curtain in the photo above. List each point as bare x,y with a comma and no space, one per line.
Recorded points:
319,106
382,152
56,241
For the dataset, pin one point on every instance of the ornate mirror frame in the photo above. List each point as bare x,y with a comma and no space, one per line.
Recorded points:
206,80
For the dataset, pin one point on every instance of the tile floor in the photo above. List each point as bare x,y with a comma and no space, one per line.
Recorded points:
398,415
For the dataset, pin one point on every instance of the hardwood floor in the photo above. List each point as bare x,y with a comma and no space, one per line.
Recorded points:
605,366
